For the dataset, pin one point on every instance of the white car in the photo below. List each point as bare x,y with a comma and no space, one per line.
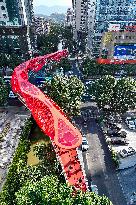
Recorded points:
84,145
131,123
94,188
127,152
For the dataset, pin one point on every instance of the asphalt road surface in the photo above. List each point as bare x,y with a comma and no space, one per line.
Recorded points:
98,164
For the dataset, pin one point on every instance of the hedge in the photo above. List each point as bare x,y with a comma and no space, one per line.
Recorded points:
115,158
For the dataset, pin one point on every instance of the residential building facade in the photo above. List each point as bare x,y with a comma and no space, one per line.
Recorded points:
16,12
41,25
69,17
107,15
16,15
80,19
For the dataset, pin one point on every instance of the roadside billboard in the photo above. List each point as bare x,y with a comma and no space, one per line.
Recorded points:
125,52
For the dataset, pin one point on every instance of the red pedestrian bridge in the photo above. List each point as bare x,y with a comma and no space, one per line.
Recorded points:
50,118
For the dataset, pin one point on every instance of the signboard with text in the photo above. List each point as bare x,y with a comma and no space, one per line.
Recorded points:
125,52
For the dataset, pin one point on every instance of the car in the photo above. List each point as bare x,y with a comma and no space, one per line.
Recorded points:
7,78
131,122
94,188
127,120
132,125
119,142
84,145
127,152
119,134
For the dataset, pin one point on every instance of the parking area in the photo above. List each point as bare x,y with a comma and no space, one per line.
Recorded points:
11,121
126,172
127,179
131,139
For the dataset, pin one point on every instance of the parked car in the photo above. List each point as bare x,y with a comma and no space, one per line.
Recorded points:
132,125
119,134
84,145
122,134
119,142
124,153
131,122
94,188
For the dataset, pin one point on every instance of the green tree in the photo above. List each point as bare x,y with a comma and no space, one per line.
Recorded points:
130,69
48,161
3,60
65,64
116,95
50,191
14,60
91,68
48,43
124,95
102,90
3,92
66,92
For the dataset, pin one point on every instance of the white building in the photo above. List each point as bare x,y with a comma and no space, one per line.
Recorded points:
3,12
80,18
69,17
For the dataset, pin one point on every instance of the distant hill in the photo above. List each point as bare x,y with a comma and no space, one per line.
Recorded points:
54,17
46,10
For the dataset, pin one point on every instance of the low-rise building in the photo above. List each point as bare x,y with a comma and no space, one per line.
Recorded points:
118,46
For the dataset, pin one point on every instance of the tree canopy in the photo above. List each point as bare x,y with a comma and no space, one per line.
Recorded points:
50,191
117,95
91,68
66,92
3,92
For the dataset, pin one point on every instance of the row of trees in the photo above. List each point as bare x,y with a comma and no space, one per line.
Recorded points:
48,43
117,96
91,68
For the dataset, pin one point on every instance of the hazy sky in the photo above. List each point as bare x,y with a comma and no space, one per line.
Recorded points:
53,2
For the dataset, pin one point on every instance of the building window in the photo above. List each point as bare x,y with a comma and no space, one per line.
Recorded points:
2,8
5,16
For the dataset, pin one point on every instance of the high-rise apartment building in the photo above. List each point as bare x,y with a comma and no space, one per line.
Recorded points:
14,16
16,12
107,15
41,25
80,18
69,17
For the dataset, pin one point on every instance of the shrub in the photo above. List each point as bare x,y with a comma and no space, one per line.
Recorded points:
115,158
